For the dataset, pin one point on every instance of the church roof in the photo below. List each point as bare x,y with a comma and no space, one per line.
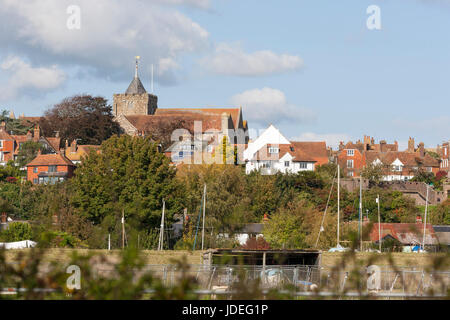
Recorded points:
136,87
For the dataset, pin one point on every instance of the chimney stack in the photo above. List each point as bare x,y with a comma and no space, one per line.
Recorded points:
411,144
421,149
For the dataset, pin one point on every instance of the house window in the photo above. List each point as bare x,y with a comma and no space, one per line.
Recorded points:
350,174
1,143
209,148
273,150
2,156
303,165
180,154
35,170
286,163
429,169
397,168
52,169
35,181
350,152
349,163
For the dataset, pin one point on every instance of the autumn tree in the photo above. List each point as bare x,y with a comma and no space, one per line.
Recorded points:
82,117
373,172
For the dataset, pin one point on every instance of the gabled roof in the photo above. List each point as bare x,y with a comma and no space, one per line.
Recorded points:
408,159
136,87
50,160
406,233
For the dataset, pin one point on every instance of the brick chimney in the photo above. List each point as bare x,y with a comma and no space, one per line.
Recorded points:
396,145
29,135
367,143
383,146
73,146
341,145
421,149
3,126
411,144
37,133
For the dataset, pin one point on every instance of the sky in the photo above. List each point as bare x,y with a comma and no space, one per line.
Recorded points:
311,68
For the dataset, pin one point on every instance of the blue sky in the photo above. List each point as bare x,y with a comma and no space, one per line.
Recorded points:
312,68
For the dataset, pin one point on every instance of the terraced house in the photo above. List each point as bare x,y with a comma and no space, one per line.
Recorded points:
397,165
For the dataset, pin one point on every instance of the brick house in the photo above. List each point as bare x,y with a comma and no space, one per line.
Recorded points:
49,168
75,152
6,145
397,165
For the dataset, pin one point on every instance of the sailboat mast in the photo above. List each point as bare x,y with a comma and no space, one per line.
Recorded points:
425,222
338,203
161,232
360,213
204,209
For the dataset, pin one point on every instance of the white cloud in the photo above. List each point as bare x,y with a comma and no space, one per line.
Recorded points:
269,105
23,77
203,4
332,139
232,60
112,33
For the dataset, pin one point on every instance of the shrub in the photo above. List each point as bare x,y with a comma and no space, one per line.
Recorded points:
17,231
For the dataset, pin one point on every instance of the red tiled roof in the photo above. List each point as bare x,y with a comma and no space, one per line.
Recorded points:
315,150
295,152
407,158
232,112
406,233
50,160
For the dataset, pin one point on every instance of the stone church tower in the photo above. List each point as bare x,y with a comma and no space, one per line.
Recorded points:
136,100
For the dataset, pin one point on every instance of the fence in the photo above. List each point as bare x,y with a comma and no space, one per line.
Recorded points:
304,280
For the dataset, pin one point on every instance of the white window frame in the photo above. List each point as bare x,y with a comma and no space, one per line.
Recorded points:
1,143
303,165
352,164
287,164
350,152
274,150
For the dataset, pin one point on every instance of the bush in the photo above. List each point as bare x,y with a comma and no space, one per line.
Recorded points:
17,231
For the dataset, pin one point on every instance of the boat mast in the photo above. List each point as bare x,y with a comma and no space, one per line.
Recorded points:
338,202
204,209
360,212
161,231
425,222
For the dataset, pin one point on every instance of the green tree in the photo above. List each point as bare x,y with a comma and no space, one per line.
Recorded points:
130,175
17,231
27,152
373,172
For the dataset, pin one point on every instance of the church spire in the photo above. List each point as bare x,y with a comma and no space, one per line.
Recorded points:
136,86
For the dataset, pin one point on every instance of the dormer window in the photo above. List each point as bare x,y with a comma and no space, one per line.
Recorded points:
350,152
292,149
274,150
397,168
